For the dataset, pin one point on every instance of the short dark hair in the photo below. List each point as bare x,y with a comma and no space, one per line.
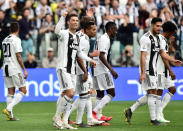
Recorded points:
85,20
71,15
88,25
109,25
169,27
14,27
155,20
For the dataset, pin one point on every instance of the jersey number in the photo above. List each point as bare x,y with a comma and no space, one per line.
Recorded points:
6,50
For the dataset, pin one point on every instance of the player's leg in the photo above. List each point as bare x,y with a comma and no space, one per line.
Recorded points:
140,102
159,104
105,82
150,85
97,113
9,98
67,85
167,97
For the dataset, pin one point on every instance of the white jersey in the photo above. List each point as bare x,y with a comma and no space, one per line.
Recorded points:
11,46
84,47
68,49
151,45
160,64
103,45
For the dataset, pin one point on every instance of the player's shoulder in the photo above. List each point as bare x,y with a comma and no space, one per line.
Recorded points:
104,37
145,37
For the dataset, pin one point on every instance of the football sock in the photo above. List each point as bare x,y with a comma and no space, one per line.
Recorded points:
18,97
9,99
141,101
59,106
158,106
166,100
89,108
152,105
105,100
75,105
80,111
66,105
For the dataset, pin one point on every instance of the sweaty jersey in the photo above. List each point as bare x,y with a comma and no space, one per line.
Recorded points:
102,45
11,45
160,64
151,45
84,46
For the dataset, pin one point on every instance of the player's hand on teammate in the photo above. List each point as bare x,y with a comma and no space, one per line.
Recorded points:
177,62
25,74
114,74
94,63
95,53
142,78
172,75
85,77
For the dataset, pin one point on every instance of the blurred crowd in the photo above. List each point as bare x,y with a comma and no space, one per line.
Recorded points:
37,19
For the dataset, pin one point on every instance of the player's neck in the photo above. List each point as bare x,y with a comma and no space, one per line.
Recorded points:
153,33
72,31
15,34
164,34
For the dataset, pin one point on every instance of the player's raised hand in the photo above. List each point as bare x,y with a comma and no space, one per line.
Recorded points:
85,77
114,74
65,14
172,75
90,12
142,77
94,63
25,74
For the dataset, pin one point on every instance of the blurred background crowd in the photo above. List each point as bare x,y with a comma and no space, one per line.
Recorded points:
37,19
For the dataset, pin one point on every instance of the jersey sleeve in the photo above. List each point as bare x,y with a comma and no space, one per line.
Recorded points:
103,45
18,46
144,43
83,44
162,44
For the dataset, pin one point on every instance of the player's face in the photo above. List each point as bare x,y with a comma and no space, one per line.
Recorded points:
92,31
113,31
73,23
157,27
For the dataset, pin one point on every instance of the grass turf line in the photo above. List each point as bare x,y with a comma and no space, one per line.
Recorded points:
37,116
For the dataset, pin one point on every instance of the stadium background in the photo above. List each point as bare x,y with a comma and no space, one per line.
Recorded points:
43,88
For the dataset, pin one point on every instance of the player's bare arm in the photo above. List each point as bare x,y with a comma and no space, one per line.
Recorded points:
167,57
104,61
81,65
142,66
20,61
166,62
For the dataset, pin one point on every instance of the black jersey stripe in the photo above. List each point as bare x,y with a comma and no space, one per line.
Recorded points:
152,54
69,53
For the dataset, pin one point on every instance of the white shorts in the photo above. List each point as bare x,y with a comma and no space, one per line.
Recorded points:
66,80
165,82
16,81
103,82
83,87
149,83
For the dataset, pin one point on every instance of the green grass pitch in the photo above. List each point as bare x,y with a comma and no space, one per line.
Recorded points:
37,116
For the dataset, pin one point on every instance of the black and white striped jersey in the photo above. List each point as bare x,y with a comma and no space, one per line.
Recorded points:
160,64
68,49
151,45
